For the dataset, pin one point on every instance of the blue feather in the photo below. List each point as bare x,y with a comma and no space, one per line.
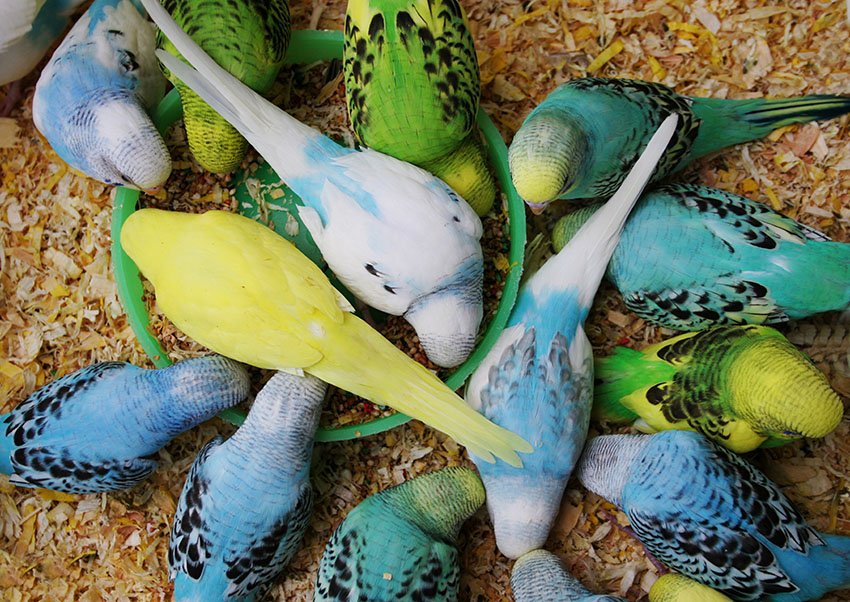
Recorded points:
91,99
537,380
99,428
247,501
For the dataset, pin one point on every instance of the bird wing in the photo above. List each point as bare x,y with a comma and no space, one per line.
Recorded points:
251,575
716,518
187,548
425,53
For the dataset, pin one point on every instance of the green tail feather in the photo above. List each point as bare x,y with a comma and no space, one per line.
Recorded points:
618,376
726,122
466,170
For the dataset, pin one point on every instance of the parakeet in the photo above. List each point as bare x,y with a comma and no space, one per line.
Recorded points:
248,38
99,428
396,236
540,576
412,87
581,141
264,303
537,380
247,501
710,515
399,544
91,99
27,29
693,257
742,386
674,587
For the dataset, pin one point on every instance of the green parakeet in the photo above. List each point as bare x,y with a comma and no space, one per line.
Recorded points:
412,88
399,544
249,39
743,386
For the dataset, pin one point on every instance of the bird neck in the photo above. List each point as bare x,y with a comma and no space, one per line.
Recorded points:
281,425
604,465
6,447
439,502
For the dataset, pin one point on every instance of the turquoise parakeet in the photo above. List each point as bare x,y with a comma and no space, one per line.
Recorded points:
540,576
581,141
708,514
247,501
249,39
99,428
537,380
742,386
693,257
395,235
264,303
399,544
92,98
412,87
674,587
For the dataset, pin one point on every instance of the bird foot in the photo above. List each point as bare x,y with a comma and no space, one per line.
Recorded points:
14,95
660,568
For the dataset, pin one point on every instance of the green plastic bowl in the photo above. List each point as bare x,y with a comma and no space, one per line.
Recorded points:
307,47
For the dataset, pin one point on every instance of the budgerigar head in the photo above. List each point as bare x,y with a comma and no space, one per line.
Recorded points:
604,464
778,390
546,156
540,575
438,502
567,226
447,319
125,148
673,587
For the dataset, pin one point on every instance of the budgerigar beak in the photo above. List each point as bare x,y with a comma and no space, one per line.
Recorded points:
536,208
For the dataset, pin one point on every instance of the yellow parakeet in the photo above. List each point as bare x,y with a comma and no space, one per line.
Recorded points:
240,289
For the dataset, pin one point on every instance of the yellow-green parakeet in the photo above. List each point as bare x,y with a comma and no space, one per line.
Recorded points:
674,587
237,287
742,386
249,39
412,87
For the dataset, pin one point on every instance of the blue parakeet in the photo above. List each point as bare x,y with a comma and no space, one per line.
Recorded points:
396,236
581,141
247,501
540,576
710,515
693,257
99,428
400,543
537,380
91,99
27,29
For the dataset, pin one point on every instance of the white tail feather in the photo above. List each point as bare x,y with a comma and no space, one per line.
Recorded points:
592,246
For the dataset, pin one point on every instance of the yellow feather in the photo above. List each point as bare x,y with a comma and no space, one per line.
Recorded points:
243,291
673,587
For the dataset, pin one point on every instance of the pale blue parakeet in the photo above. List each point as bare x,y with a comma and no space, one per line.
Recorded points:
540,576
693,257
537,380
400,544
99,428
247,501
710,515
91,99
396,236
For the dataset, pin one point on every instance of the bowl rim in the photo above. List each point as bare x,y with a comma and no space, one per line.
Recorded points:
308,46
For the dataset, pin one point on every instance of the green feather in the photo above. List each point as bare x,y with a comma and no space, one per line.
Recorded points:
249,39
618,376
412,88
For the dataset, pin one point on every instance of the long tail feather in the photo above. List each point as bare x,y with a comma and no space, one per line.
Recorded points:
596,240
726,122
